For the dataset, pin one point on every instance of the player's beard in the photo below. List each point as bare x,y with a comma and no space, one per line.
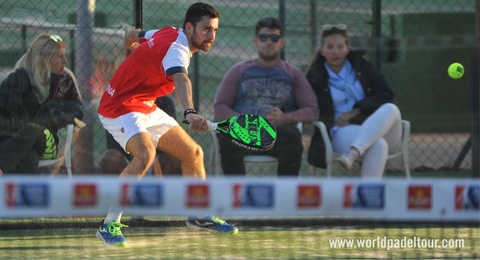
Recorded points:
199,44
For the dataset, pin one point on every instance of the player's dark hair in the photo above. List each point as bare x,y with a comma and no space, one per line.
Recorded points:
271,23
197,11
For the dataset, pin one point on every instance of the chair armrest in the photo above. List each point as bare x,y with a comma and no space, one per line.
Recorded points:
405,134
326,140
300,127
68,146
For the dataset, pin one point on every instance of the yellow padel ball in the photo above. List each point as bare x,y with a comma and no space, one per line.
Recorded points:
455,70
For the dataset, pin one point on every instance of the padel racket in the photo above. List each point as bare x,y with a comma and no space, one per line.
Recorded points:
250,132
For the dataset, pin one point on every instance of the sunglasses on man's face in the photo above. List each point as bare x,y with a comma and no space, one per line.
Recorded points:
273,37
339,26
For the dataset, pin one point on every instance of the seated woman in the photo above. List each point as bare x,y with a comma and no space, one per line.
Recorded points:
39,97
355,103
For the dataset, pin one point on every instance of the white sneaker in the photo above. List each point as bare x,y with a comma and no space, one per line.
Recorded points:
346,160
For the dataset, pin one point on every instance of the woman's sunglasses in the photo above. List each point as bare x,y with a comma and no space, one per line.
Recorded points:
340,26
54,38
273,37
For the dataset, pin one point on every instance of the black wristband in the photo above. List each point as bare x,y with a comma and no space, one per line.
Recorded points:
189,111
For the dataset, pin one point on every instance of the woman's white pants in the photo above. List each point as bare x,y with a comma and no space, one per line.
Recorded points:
378,136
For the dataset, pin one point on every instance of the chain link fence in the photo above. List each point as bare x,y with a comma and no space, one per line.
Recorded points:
413,42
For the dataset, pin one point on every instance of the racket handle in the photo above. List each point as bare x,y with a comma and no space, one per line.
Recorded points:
211,125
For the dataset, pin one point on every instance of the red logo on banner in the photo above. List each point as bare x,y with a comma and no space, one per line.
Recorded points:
85,195
420,197
348,196
308,196
10,196
238,195
460,197
124,200
198,196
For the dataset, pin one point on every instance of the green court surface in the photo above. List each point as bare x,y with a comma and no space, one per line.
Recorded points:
251,243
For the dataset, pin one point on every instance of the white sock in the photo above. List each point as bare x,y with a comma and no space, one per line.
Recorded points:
113,216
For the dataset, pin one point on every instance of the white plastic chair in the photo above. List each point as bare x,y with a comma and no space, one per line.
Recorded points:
66,159
329,154
215,162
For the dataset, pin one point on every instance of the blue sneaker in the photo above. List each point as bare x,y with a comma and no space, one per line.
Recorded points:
111,235
211,224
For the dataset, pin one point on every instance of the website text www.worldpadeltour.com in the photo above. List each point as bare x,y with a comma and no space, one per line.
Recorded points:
397,243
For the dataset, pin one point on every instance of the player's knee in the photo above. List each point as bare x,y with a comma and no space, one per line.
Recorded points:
142,150
146,157
195,154
198,153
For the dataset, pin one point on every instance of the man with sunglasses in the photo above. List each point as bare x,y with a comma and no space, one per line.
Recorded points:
269,87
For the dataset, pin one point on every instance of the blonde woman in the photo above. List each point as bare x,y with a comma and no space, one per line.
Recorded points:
39,97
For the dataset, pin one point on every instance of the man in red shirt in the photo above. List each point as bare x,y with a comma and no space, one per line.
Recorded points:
127,110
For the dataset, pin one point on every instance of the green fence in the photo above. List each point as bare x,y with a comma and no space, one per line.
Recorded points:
413,42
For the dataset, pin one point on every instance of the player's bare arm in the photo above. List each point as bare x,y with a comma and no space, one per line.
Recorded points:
183,93
131,39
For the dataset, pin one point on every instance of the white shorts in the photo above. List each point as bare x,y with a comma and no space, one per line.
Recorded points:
125,126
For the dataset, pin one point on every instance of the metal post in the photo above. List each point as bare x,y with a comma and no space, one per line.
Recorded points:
462,154
137,18
83,72
72,50
281,11
476,98
313,25
377,31
196,81
84,46
24,38
138,14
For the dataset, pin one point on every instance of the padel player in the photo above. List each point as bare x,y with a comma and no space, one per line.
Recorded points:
127,109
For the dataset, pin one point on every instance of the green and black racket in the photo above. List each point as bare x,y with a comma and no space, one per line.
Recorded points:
250,132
